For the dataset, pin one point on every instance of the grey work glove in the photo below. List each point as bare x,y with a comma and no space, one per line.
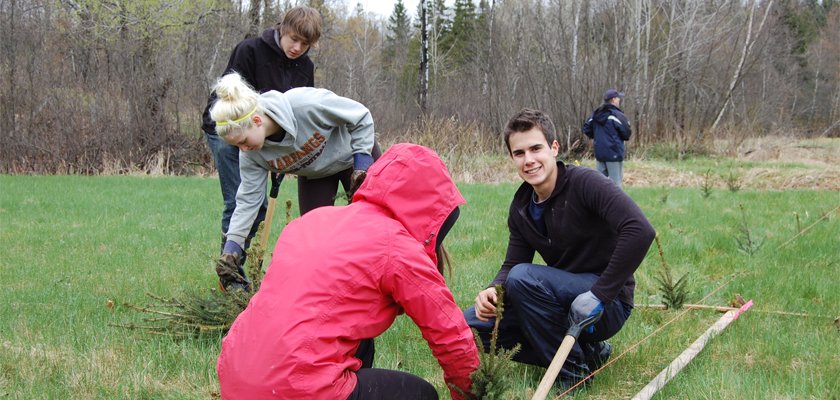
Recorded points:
585,306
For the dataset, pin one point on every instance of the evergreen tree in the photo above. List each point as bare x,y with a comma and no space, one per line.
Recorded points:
396,41
463,31
804,21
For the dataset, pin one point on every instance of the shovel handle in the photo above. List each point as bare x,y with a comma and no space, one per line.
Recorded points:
554,368
269,215
560,357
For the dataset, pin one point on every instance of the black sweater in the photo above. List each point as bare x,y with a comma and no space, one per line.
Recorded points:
593,226
264,65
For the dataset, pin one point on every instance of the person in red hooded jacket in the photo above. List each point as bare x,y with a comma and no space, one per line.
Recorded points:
339,277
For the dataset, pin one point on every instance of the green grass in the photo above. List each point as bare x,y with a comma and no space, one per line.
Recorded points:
70,244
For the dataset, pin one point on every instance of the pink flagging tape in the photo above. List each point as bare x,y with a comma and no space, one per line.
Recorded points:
743,308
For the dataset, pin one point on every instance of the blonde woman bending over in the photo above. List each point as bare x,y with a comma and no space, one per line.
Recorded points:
313,133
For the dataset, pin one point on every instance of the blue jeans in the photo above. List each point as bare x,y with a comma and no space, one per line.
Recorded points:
227,164
537,302
611,169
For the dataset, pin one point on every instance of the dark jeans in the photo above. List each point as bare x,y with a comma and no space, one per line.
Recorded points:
227,163
537,303
385,384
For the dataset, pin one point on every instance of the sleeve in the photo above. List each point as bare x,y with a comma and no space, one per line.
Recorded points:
519,250
635,232
242,61
623,128
335,111
249,197
416,285
587,127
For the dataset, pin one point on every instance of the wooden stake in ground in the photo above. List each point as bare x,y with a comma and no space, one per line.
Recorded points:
680,362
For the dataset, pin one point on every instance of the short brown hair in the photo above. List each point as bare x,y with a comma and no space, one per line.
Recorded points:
526,119
302,21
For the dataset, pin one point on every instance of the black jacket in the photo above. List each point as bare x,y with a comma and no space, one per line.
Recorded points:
264,65
610,128
593,226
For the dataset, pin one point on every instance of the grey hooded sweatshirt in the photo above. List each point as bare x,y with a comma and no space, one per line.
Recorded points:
323,131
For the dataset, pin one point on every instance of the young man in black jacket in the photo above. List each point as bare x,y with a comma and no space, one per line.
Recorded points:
276,60
592,236
609,127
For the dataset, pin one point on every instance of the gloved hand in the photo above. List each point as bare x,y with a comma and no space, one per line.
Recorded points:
585,306
361,163
231,274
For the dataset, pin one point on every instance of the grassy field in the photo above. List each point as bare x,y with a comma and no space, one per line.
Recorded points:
71,244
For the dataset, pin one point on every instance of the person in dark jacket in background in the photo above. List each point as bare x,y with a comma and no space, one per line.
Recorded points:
591,235
609,127
276,60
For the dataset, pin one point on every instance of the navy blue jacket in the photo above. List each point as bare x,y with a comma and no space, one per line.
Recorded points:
610,128
264,65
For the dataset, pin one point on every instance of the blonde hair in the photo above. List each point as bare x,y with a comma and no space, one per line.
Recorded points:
236,102
302,21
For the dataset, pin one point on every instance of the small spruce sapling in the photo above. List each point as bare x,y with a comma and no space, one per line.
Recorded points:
707,185
674,294
747,242
733,182
493,378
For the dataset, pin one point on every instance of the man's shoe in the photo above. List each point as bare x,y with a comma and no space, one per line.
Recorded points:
564,383
600,354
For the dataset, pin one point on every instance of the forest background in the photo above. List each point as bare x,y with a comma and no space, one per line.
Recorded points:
92,86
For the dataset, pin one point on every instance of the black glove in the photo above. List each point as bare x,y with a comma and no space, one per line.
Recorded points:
356,180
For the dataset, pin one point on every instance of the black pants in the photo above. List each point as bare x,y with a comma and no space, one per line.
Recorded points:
382,384
385,384
314,193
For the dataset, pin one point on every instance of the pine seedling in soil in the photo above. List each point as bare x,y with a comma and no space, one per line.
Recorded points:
733,182
707,185
674,294
191,313
493,378
747,242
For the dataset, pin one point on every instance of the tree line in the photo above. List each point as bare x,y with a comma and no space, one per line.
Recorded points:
92,85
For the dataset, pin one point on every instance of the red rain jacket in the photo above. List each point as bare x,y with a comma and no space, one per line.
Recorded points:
343,274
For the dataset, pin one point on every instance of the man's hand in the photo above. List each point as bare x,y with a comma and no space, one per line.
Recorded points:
585,306
485,304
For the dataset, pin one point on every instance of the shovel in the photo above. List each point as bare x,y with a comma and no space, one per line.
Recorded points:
269,215
560,357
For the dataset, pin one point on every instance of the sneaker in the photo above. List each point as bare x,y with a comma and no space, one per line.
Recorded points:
564,383
600,354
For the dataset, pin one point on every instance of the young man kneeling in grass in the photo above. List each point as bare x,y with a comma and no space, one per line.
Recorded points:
593,237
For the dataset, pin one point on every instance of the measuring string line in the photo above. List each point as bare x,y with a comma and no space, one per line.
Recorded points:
689,309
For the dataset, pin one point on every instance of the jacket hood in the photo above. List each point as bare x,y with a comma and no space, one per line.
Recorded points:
278,108
271,37
413,183
603,113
